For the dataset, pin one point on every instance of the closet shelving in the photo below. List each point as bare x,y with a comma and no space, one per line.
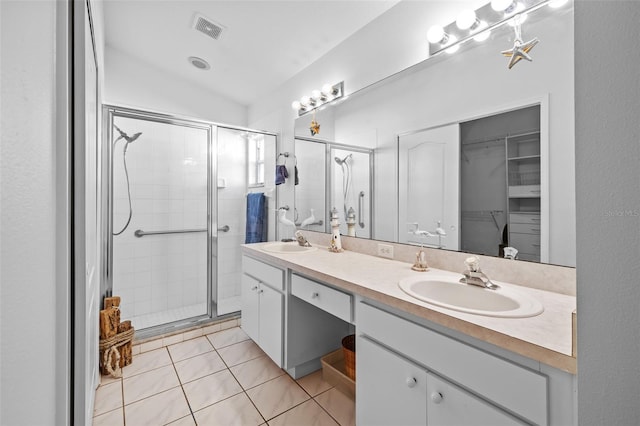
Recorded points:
523,193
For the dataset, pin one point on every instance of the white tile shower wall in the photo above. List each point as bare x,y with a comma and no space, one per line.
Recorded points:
168,179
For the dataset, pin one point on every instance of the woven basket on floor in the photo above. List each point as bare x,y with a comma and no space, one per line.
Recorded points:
349,350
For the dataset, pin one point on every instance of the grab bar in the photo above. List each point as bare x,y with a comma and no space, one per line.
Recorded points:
140,233
360,208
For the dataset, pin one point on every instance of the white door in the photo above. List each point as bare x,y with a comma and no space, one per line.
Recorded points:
270,323
390,389
450,405
429,185
250,307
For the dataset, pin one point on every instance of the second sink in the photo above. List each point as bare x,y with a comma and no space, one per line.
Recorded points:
448,293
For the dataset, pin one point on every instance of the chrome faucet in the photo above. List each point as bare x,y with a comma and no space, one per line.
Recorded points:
302,241
474,276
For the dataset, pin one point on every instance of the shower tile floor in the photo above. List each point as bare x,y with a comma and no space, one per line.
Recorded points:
221,378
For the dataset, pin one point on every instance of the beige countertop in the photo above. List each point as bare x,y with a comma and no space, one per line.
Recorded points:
546,338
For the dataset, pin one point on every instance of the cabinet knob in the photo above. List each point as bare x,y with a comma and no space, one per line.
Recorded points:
315,295
254,288
411,382
437,397
260,291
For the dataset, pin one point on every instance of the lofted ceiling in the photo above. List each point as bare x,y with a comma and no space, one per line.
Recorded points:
264,43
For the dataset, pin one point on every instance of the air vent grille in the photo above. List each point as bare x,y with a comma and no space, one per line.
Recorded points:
208,27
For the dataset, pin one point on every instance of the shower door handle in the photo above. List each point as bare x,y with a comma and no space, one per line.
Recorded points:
224,228
360,208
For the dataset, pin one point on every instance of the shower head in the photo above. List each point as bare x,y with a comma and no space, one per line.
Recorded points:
342,161
126,137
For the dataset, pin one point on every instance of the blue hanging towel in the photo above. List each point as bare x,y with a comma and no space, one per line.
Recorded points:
257,221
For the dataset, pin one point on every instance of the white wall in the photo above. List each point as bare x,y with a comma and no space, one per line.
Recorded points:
131,82
28,186
608,206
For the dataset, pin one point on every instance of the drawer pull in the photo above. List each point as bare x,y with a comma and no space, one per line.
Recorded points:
411,382
315,295
437,397
535,229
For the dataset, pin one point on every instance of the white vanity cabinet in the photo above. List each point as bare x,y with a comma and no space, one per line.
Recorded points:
409,372
263,306
416,396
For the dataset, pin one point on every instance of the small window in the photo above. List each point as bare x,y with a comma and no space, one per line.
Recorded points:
256,160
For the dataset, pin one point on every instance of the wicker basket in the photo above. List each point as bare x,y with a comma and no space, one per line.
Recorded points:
349,350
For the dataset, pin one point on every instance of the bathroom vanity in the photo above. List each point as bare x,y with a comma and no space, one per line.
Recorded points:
416,363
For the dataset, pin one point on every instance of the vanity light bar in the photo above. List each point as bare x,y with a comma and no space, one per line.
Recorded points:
329,93
478,24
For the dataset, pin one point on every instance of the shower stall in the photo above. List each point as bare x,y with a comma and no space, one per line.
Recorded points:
177,202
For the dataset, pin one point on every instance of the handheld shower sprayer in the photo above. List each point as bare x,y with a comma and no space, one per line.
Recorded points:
128,139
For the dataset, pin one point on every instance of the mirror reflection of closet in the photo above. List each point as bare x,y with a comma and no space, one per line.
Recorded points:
500,188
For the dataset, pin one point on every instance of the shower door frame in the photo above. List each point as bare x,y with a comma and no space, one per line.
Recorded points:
109,111
329,145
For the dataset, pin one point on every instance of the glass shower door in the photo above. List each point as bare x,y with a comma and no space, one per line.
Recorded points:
245,163
160,184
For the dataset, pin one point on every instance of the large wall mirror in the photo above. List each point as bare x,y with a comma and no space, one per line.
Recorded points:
457,152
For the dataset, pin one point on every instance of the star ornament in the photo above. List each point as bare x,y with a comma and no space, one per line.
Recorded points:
520,51
314,128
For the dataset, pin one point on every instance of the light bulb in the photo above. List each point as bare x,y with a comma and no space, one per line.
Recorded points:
503,5
452,49
467,19
295,105
327,89
483,32
436,34
557,3
305,100
316,94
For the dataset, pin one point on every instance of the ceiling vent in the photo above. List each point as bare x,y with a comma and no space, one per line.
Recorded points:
208,27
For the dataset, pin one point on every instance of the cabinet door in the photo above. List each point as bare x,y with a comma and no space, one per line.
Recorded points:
449,405
390,389
270,323
250,308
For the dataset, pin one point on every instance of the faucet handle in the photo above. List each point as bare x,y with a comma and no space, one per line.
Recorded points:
472,263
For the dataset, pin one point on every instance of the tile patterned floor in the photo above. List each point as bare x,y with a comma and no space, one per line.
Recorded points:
222,378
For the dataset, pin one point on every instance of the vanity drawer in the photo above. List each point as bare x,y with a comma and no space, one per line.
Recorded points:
267,274
525,228
530,218
326,298
525,243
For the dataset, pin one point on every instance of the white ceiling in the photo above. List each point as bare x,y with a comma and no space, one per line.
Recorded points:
265,42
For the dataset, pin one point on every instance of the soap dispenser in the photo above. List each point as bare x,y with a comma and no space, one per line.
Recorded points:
336,242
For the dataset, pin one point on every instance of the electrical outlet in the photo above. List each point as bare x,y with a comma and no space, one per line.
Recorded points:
385,250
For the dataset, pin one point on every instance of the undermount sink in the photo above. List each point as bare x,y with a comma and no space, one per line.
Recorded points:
293,247
448,293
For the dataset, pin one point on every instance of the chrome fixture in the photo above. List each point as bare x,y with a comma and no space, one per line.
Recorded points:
329,93
128,140
140,233
477,25
474,276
